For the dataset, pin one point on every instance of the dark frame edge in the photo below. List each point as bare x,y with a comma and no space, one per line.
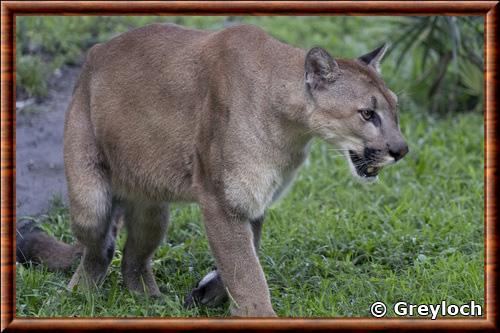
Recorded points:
237,324
253,7
7,168
491,162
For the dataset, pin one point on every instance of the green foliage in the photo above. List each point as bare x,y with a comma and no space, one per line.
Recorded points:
31,75
444,56
332,246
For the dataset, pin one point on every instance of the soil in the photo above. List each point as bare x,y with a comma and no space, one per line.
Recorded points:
39,147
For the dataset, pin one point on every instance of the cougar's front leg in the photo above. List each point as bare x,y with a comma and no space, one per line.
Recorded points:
210,291
232,243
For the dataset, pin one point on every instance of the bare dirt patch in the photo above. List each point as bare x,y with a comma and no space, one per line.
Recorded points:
39,147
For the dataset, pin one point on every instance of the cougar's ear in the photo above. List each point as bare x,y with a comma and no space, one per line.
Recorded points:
320,68
374,58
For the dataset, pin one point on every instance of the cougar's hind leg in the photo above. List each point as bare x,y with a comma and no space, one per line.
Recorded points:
210,291
89,188
146,225
91,210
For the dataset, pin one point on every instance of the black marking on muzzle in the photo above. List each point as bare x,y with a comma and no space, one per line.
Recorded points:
362,164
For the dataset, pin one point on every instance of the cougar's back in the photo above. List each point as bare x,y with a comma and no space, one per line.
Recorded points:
142,94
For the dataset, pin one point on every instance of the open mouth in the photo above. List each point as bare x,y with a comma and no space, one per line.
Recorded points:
363,166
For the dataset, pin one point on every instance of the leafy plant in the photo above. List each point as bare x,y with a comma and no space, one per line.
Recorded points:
444,57
31,76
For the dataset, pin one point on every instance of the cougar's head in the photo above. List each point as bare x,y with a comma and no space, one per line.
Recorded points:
349,106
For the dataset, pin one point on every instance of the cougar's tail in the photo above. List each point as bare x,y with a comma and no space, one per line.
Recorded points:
35,246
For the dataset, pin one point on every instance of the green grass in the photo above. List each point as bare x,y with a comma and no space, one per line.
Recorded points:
331,247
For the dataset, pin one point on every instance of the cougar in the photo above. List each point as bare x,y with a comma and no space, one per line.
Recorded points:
224,118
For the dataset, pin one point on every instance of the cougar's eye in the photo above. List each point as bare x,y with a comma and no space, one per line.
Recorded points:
367,114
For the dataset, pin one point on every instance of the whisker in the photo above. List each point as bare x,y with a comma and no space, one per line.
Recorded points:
363,162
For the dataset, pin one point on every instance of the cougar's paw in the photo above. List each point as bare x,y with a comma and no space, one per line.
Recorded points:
145,290
83,281
209,292
141,282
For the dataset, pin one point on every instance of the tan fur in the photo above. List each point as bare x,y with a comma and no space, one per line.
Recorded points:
34,246
164,113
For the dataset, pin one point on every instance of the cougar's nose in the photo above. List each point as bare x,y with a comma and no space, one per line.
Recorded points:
398,151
